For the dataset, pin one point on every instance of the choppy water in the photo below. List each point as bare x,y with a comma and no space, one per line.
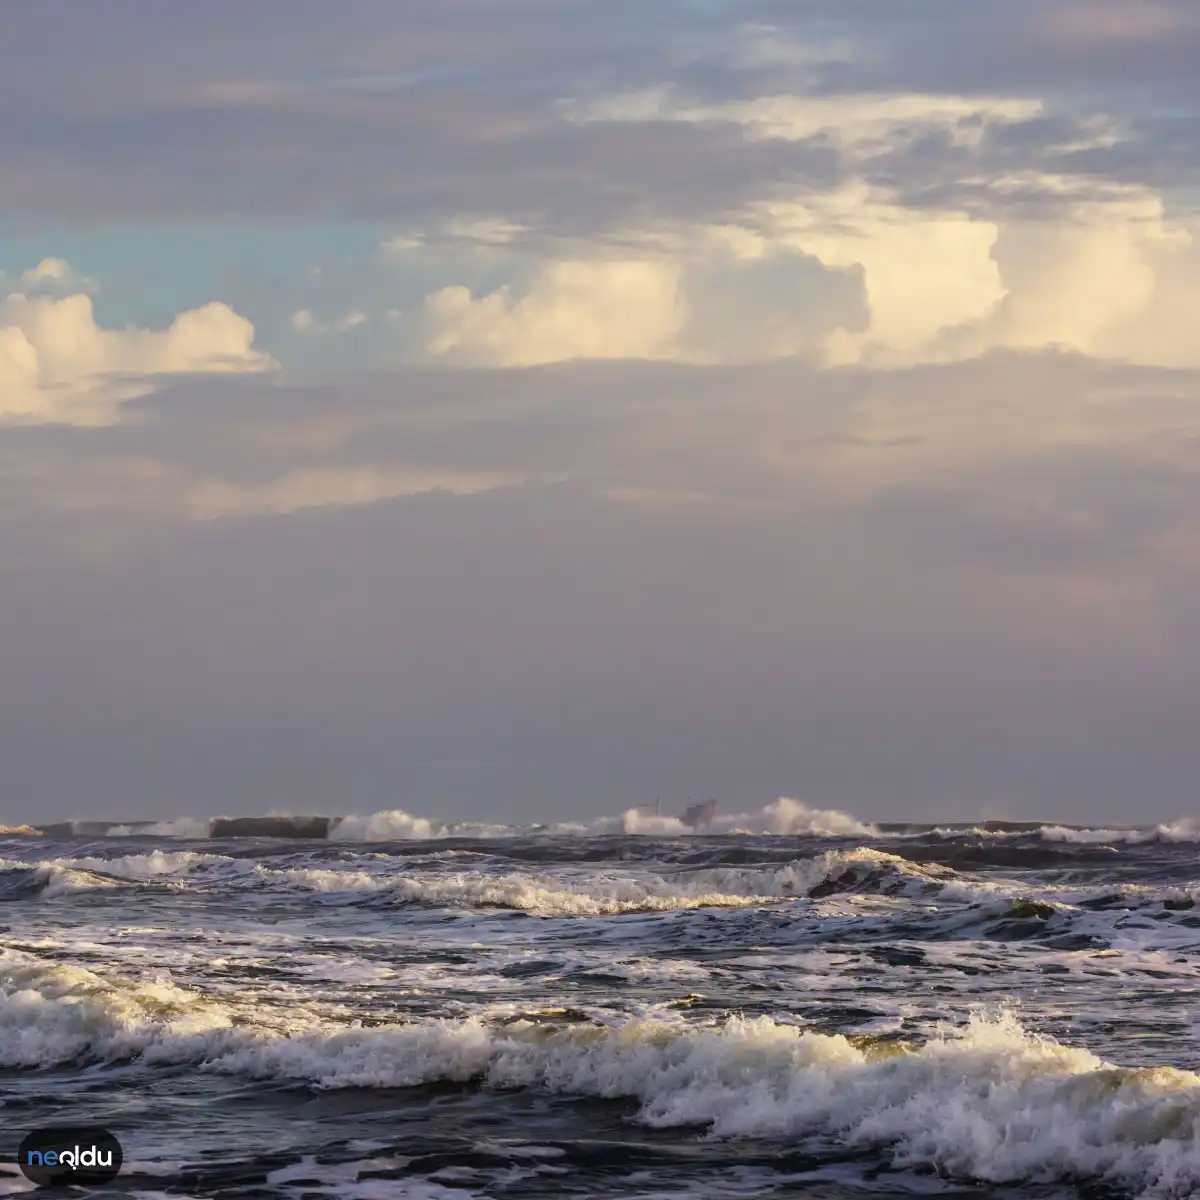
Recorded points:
572,1013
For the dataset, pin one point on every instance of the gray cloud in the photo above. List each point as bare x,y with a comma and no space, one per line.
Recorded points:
746,580
377,112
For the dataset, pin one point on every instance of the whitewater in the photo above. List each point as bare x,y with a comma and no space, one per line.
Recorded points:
787,1002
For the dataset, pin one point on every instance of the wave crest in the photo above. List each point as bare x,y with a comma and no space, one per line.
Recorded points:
783,817
988,1101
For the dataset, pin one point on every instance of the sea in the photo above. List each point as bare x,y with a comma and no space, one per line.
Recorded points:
789,1003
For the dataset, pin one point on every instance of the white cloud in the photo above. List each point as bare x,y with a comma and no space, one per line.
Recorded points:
1111,276
304,322
472,237
863,120
489,231
1100,270
573,309
402,244
55,275
1113,279
58,365
922,270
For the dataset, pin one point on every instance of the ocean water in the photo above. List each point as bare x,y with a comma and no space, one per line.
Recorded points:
789,1004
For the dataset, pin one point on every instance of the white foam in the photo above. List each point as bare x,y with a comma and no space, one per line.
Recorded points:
185,828
399,826
1176,831
1183,830
554,897
792,817
137,867
784,817
59,879
605,893
988,1101
56,1015
321,879
571,893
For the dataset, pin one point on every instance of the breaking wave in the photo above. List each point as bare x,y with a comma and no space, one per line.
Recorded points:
783,817
987,1101
19,881
586,894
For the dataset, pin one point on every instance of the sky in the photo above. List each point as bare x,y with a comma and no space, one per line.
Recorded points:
521,411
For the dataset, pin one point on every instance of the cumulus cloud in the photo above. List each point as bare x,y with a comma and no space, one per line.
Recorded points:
572,309
853,272
1098,271
853,276
54,275
58,365
1092,284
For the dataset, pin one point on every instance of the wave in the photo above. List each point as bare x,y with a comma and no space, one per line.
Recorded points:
947,904
783,817
988,1101
20,881
713,888
1176,831
399,826
587,893
1183,830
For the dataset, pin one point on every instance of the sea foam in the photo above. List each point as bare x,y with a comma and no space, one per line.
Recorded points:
986,1101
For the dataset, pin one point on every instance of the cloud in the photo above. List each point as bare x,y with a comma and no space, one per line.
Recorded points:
321,487
712,122
54,275
304,322
990,251
719,563
844,277
860,122
1113,280
1097,23
572,309
58,365
1086,448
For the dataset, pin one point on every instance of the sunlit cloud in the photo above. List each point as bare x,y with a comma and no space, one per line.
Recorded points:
58,365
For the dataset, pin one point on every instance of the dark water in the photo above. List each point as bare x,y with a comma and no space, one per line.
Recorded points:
959,1013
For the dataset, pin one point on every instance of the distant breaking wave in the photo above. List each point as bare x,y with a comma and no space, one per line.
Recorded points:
784,817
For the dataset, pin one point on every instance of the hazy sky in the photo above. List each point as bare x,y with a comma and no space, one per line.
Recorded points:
522,409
